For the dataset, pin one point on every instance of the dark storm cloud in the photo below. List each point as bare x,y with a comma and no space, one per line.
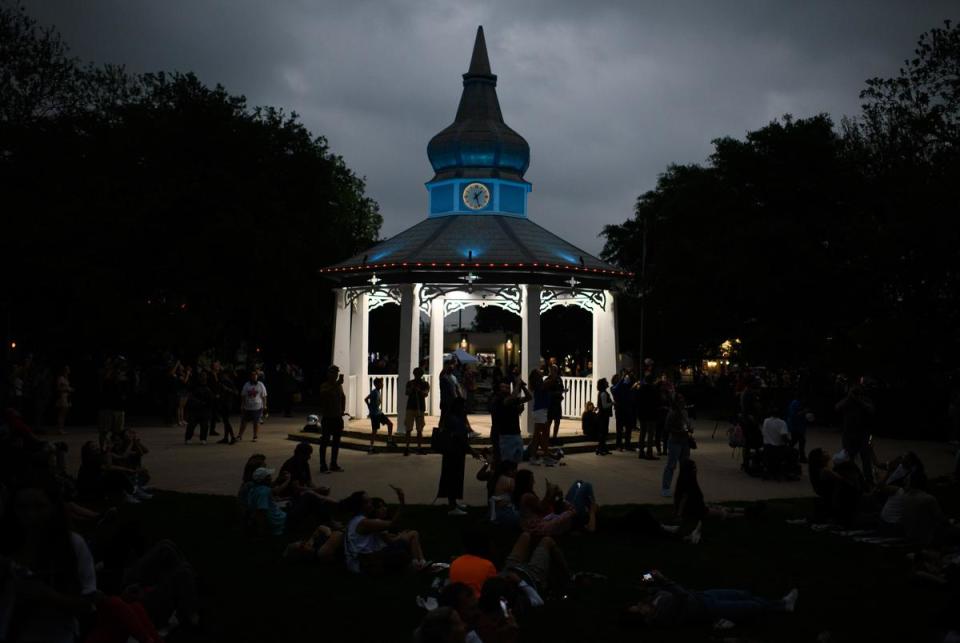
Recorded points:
607,94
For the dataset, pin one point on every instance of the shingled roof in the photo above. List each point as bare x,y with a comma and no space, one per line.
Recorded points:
481,242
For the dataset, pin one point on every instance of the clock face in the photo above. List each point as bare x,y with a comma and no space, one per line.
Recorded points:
476,196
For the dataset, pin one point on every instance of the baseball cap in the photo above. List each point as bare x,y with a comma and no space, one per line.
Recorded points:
262,473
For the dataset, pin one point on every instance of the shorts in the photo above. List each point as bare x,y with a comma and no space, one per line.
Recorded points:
414,418
377,420
540,416
554,413
251,416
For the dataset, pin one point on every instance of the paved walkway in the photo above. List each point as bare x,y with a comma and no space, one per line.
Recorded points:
618,478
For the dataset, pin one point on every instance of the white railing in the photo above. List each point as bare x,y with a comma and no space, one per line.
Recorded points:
388,403
579,392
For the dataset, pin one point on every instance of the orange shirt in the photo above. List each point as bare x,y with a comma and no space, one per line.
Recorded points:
472,571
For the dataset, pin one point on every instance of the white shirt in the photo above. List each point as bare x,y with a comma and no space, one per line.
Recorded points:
253,396
356,543
775,432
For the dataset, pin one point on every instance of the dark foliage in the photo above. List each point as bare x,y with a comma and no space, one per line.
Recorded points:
818,246
153,211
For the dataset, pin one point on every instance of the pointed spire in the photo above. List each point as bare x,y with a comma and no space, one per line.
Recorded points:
479,63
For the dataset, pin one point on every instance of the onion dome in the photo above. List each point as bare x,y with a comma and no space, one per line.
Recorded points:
478,143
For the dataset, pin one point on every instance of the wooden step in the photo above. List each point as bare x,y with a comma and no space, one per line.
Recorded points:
358,441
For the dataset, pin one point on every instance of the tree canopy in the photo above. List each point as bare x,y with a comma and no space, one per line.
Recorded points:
817,245
154,211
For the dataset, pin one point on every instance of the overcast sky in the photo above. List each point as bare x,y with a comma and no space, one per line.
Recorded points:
606,93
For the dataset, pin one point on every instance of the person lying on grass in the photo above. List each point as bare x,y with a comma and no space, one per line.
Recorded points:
553,514
689,504
370,546
667,603
535,569
323,545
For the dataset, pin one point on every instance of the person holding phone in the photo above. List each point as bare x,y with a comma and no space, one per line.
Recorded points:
370,545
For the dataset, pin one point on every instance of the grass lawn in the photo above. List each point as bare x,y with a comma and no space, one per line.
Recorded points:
857,591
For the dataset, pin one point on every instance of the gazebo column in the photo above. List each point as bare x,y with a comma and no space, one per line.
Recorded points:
359,356
436,352
341,332
605,349
409,356
529,340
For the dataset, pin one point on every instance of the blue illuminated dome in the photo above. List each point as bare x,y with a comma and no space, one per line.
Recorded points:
478,143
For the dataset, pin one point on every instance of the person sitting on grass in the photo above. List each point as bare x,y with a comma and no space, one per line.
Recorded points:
473,567
266,513
98,472
666,603
374,402
689,505
370,546
305,498
500,487
442,625
254,462
322,545
555,513
301,480
839,487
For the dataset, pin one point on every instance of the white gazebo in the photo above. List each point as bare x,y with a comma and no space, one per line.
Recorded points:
477,247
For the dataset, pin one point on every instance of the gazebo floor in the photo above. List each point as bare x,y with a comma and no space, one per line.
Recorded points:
356,435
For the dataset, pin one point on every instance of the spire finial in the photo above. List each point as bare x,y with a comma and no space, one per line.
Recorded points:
479,63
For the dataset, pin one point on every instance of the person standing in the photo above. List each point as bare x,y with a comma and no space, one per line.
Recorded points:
454,448
200,408
417,390
64,391
113,398
604,413
647,403
554,385
678,441
540,442
505,421
622,392
225,394
449,388
253,401
750,419
374,402
797,425
857,410
333,404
